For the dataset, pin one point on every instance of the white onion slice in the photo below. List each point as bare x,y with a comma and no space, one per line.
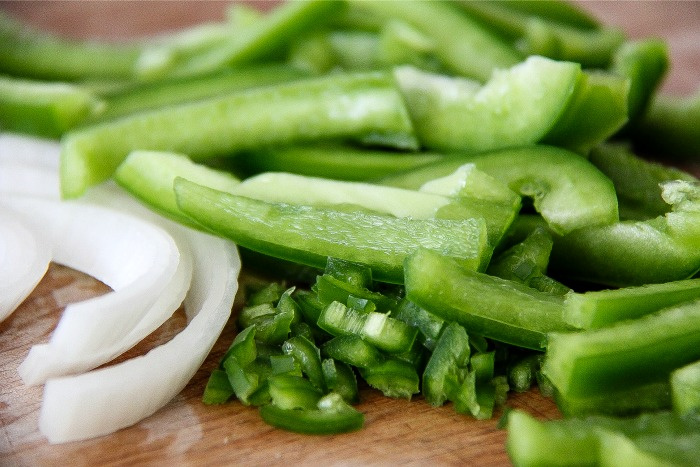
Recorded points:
45,361
135,258
20,179
24,259
29,150
102,401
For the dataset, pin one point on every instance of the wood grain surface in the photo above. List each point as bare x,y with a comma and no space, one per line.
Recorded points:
185,432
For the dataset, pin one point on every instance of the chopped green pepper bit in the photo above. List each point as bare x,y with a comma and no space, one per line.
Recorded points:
393,377
353,350
331,415
218,389
637,181
447,366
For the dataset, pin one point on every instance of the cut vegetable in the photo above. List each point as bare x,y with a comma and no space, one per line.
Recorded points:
140,261
24,259
309,235
515,107
102,401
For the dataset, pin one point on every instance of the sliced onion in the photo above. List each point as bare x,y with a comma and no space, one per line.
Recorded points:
102,401
24,259
49,360
135,258
29,150
20,179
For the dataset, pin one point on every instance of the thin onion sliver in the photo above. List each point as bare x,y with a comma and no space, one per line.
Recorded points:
102,401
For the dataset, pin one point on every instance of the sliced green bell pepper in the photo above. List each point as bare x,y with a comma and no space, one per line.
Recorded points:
516,106
462,44
361,106
495,308
309,235
627,354
568,191
45,109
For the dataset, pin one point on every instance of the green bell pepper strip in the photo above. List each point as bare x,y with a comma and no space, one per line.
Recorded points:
495,308
149,176
384,332
624,355
447,366
27,52
650,397
685,389
669,127
325,51
568,191
45,109
645,63
462,44
592,48
263,39
661,438
331,161
557,11
309,358
332,415
637,181
628,253
352,350
476,194
340,379
361,106
144,96
526,262
402,44
510,19
597,110
293,392
218,389
316,191
309,235
393,377
516,106
596,309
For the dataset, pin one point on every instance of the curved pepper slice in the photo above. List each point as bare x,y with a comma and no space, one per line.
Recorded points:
626,253
517,106
568,191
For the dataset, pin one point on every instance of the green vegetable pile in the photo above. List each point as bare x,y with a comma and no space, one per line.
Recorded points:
446,199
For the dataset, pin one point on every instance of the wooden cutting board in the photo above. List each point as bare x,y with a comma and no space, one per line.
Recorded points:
185,432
